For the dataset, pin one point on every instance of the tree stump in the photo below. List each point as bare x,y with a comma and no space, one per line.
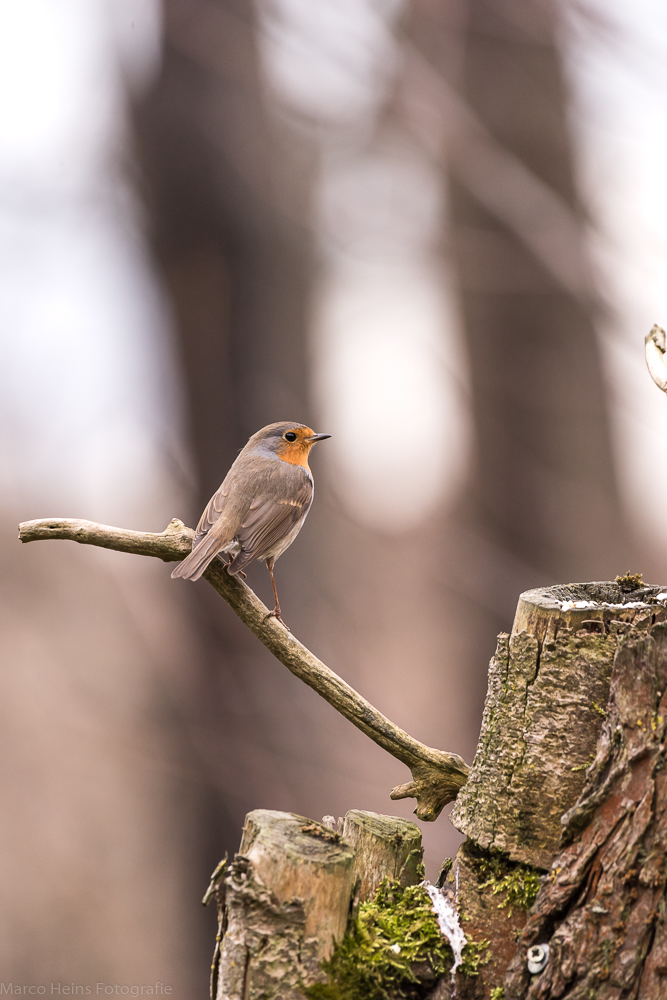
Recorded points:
545,709
551,746
284,901
288,893
384,847
548,687
602,909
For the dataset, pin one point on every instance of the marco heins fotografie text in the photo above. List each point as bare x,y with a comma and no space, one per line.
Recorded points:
79,989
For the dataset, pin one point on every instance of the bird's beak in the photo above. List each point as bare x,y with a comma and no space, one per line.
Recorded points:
317,437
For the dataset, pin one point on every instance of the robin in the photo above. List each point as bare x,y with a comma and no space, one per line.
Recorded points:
260,507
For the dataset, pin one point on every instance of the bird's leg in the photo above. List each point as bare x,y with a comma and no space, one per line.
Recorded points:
276,611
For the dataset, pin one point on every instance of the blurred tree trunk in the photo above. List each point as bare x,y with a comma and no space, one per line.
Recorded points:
545,485
227,220
543,494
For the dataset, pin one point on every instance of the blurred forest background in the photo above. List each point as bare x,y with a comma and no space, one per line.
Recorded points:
432,228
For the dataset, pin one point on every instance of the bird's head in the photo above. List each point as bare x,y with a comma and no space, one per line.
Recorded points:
291,442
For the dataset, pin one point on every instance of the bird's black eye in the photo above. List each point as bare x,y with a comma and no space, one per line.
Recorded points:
290,436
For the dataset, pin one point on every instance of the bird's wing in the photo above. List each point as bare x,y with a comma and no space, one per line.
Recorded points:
214,509
207,544
269,520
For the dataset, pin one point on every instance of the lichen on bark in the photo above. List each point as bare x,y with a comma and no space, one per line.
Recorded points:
539,727
494,895
603,908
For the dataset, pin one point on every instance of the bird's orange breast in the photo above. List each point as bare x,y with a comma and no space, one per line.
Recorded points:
295,453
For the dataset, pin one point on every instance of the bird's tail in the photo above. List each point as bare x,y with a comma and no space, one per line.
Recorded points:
203,553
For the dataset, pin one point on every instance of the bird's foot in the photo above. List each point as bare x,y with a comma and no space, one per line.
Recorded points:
276,614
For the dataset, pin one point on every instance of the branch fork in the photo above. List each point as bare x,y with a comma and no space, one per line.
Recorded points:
437,775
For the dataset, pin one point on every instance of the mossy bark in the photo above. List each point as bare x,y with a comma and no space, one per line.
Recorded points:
559,757
548,685
603,907
493,896
287,896
545,712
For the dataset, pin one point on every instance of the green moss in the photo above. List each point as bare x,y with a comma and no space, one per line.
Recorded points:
629,581
497,993
388,939
475,955
516,882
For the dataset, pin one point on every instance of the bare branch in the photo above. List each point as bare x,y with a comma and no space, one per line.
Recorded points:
655,356
437,775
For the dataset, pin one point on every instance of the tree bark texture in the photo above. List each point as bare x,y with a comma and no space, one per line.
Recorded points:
285,899
485,916
384,847
301,859
548,685
602,908
545,719
287,896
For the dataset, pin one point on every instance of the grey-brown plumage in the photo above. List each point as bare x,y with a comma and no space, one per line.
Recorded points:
261,505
